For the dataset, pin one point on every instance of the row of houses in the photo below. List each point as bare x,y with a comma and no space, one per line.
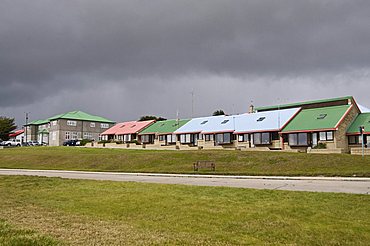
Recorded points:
329,125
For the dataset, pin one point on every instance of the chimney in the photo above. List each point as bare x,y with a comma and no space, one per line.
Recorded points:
251,109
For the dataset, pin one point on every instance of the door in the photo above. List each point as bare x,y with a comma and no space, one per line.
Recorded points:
314,139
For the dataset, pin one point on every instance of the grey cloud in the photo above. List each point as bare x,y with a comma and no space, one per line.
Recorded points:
54,48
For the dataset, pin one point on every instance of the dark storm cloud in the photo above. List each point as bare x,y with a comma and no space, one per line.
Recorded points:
50,47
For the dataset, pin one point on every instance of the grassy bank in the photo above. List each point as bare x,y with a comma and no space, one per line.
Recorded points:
227,162
109,213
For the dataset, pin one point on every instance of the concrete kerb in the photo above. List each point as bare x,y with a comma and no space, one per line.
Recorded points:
352,179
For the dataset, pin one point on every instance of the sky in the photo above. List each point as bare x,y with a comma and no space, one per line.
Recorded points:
124,59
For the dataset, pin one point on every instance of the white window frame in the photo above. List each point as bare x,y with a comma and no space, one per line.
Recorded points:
67,135
92,124
71,123
104,125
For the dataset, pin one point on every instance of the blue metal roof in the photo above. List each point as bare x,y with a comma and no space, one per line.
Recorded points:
264,121
255,122
208,125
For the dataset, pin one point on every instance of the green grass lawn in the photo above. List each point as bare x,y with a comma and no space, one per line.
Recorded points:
50,211
227,162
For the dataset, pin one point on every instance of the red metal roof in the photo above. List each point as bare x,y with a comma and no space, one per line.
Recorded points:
16,133
130,127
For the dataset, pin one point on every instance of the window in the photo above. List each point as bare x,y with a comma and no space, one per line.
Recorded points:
266,138
321,116
71,123
261,119
302,139
326,136
145,138
171,138
185,138
262,138
223,138
127,138
257,137
54,122
227,138
322,136
92,124
104,125
298,139
353,139
204,122
161,137
240,138
209,137
74,135
68,136
329,136
219,138
293,139
224,122
87,135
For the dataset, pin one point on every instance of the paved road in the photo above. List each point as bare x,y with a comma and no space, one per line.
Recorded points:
316,184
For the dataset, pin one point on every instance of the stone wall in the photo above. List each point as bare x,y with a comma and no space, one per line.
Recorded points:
340,137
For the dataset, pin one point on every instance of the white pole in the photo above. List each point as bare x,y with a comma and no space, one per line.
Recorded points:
363,145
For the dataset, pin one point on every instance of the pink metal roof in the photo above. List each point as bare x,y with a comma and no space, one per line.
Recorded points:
16,133
130,127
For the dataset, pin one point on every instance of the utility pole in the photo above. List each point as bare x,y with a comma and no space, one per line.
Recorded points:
177,118
362,129
25,130
192,103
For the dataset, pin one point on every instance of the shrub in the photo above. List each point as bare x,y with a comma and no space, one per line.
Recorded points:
83,142
103,141
320,146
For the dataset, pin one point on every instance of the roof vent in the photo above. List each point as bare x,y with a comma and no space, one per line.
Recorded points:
133,126
224,122
122,126
261,119
322,116
204,122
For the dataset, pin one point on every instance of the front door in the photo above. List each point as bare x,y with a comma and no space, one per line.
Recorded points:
314,139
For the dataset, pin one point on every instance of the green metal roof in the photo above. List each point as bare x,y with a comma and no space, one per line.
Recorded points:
43,131
317,118
304,103
38,122
79,115
162,127
361,120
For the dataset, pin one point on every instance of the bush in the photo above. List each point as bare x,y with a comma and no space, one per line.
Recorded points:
103,141
320,146
83,142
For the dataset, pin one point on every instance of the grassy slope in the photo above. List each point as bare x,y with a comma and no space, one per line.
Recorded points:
14,236
102,212
227,162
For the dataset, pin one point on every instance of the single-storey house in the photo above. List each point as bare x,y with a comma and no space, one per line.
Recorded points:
323,127
161,133
126,132
354,134
17,135
209,131
261,130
